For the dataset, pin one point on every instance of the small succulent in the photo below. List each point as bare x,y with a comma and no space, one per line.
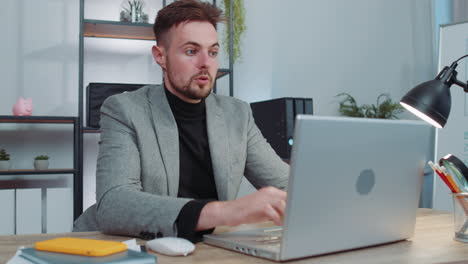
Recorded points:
4,155
42,157
134,5
384,108
137,4
133,8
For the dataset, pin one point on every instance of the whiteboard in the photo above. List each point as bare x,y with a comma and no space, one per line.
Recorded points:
453,138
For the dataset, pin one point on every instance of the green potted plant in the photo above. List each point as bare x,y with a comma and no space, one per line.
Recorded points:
4,160
239,27
41,162
384,108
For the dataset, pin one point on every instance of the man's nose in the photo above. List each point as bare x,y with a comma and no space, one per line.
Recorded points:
203,60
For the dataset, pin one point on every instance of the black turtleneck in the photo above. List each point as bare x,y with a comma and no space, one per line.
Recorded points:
196,179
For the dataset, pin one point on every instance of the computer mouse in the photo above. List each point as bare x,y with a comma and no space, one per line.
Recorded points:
171,246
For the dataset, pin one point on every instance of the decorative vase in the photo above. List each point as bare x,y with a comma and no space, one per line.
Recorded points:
41,164
4,164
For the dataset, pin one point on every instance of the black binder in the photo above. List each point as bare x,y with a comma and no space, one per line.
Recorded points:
96,93
275,118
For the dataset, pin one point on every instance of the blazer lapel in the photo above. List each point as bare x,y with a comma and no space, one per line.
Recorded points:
167,136
219,147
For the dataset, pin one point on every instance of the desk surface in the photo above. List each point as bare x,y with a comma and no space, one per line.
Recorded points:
432,243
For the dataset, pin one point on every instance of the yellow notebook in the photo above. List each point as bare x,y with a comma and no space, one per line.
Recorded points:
81,246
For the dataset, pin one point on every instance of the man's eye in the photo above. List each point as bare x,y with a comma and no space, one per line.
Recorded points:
190,52
213,53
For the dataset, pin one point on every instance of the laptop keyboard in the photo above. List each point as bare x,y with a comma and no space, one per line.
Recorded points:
272,236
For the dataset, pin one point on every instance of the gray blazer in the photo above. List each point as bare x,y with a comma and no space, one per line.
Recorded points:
137,177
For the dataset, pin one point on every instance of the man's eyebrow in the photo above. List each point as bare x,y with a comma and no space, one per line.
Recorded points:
198,45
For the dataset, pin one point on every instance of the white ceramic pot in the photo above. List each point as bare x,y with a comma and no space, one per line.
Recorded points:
41,164
4,164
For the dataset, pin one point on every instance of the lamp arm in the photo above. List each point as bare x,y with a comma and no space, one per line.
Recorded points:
461,84
449,74
455,80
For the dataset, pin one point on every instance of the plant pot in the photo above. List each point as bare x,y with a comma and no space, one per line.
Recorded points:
41,164
4,164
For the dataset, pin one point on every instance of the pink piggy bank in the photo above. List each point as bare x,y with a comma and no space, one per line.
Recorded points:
23,107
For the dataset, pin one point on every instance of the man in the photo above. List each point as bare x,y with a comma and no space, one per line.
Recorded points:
171,158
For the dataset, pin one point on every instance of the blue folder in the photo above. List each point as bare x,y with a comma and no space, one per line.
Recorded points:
45,257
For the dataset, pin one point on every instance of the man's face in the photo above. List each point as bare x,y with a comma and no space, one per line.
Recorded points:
189,60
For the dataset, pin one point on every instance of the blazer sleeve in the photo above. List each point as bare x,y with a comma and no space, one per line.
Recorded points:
123,208
263,166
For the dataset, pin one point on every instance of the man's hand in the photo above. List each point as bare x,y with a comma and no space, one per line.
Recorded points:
265,204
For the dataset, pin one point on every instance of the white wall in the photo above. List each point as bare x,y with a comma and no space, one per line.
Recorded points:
39,55
253,72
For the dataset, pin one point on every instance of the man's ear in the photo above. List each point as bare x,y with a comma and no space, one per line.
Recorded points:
159,55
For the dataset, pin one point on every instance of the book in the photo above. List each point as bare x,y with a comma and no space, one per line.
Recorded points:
81,246
129,256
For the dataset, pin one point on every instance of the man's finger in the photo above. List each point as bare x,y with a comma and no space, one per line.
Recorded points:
272,214
280,207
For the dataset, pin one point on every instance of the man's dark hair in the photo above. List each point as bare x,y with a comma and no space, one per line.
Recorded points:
183,11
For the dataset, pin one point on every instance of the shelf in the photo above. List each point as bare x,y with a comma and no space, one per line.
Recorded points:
32,171
222,72
120,30
60,182
38,119
90,130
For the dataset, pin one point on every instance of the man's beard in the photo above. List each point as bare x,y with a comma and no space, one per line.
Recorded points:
194,93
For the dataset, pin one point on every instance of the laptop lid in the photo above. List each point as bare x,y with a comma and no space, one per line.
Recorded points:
354,182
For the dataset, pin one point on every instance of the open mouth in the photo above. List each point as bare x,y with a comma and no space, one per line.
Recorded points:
203,78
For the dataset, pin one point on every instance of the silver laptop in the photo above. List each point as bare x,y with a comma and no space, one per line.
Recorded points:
353,183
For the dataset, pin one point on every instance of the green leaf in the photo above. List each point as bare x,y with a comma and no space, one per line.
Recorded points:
42,157
238,27
4,155
384,107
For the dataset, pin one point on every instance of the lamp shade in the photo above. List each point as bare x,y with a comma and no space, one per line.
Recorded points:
430,101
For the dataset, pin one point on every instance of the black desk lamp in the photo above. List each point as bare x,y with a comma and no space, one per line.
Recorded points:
431,100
